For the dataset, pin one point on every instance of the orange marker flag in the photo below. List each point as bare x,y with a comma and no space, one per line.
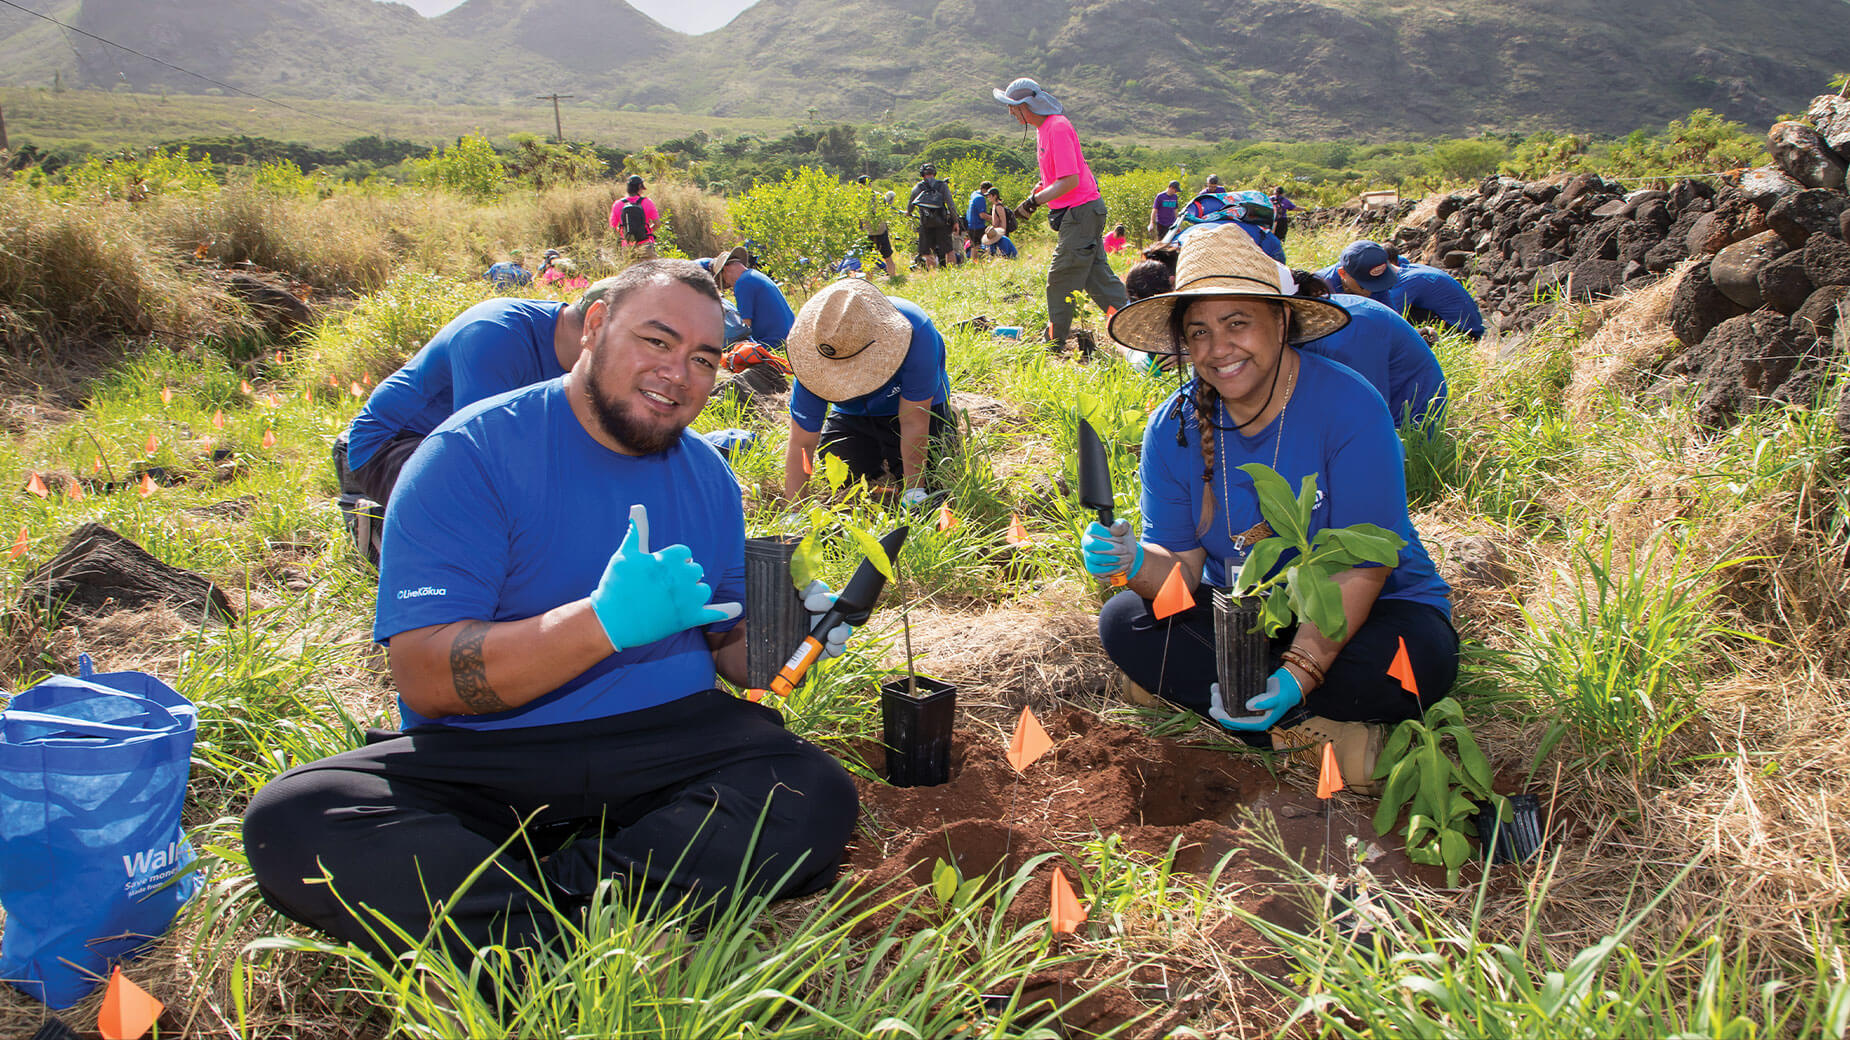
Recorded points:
96,464
272,400
1029,742
367,378
333,382
269,438
1174,597
152,446
1018,535
1329,777
1067,914
19,544
306,395
147,486
355,390
166,395
76,491
1401,668
809,464
946,520
279,357
244,386
128,1011
218,419
36,485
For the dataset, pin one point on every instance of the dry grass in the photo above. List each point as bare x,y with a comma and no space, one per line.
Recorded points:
698,223
1037,650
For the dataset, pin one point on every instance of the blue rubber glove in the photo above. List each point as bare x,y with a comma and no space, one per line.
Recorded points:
647,596
1282,693
817,599
1110,551
913,498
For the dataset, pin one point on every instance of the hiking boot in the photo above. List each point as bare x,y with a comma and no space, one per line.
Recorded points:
1135,694
1358,746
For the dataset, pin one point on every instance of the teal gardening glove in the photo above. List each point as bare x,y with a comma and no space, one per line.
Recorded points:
645,596
1111,551
1282,693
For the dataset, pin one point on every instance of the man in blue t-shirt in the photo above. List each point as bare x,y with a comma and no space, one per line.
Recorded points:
493,347
554,641
976,214
767,314
870,388
1163,210
1382,348
1421,292
508,274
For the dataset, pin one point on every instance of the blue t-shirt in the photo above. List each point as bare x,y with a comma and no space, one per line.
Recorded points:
764,306
1334,426
1267,241
1002,247
1388,352
1163,209
1426,293
506,274
510,509
491,348
921,377
975,212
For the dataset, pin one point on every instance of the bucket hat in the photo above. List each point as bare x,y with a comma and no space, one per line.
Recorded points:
1027,92
1218,262
848,340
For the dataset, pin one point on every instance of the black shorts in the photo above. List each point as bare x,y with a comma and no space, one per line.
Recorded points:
936,241
883,242
869,444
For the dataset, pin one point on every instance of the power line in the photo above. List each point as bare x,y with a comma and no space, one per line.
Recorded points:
189,72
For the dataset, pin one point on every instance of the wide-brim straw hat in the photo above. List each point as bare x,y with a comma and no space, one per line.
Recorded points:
992,235
1221,262
848,340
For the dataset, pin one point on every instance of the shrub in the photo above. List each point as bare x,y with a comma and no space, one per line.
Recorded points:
696,222
470,169
800,225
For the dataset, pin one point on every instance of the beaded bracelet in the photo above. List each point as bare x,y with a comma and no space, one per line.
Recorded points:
1303,660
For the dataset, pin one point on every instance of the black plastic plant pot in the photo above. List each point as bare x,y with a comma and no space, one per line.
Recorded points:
1241,649
778,620
917,731
1515,839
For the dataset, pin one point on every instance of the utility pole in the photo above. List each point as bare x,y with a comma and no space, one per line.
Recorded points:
2,128
557,126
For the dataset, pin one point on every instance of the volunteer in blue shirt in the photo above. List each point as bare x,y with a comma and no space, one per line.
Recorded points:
491,348
1255,398
759,300
558,591
1419,291
870,388
1381,347
976,214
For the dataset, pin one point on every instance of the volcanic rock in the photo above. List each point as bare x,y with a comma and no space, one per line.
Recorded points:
98,570
1810,212
1741,361
1783,283
1830,114
1698,306
1765,185
1818,315
1736,269
1827,260
1801,152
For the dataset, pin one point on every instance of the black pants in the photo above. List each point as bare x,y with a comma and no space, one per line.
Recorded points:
665,800
379,475
1280,228
883,242
1174,658
869,444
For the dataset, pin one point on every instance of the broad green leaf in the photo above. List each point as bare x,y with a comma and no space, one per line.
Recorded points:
834,470
1445,710
1396,747
807,561
1454,847
1317,599
1088,406
944,881
1278,505
1307,499
1462,807
1394,795
1475,766
1435,771
1277,613
1259,563
1423,854
1367,543
865,541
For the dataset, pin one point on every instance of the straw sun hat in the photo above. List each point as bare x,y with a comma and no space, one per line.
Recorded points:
848,340
1221,262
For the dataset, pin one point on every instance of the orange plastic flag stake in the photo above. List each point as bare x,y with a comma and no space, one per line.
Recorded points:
1029,742
1401,668
273,401
147,486
152,446
1173,597
306,396
76,492
166,395
96,464
1067,914
244,386
218,419
367,378
355,390
333,382
128,1011
946,521
269,438
1018,535
279,357
1329,777
36,485
19,544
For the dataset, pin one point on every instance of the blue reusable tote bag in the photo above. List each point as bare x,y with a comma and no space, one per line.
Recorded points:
92,774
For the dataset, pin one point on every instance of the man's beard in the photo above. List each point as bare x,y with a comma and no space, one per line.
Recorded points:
623,427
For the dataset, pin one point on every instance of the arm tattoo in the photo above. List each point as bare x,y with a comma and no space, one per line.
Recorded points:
469,673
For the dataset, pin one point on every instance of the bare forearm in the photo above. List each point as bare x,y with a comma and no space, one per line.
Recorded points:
1360,586
1158,562
799,459
729,654
479,667
914,441
1060,186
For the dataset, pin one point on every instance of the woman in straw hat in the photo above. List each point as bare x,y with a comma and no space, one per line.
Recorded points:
1256,398
870,387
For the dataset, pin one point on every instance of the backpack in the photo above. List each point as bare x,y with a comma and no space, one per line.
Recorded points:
1009,220
1246,207
634,221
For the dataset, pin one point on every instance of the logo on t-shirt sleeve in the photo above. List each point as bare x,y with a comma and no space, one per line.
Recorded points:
421,592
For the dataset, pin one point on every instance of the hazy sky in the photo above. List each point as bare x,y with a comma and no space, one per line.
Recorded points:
689,16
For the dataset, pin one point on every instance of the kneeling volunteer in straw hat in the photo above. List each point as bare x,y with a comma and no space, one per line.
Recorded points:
870,387
1256,398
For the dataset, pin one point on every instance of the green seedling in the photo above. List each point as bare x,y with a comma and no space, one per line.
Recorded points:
1437,791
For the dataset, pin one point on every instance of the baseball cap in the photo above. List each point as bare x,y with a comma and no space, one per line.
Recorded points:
1369,264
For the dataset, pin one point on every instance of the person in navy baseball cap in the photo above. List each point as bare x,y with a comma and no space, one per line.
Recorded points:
1364,267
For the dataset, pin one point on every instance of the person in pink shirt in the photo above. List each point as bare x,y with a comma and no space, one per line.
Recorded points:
1075,211
1116,239
634,217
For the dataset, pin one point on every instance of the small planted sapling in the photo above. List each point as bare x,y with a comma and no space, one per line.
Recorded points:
1438,792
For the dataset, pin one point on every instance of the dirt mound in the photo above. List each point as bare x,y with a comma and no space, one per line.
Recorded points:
1104,781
